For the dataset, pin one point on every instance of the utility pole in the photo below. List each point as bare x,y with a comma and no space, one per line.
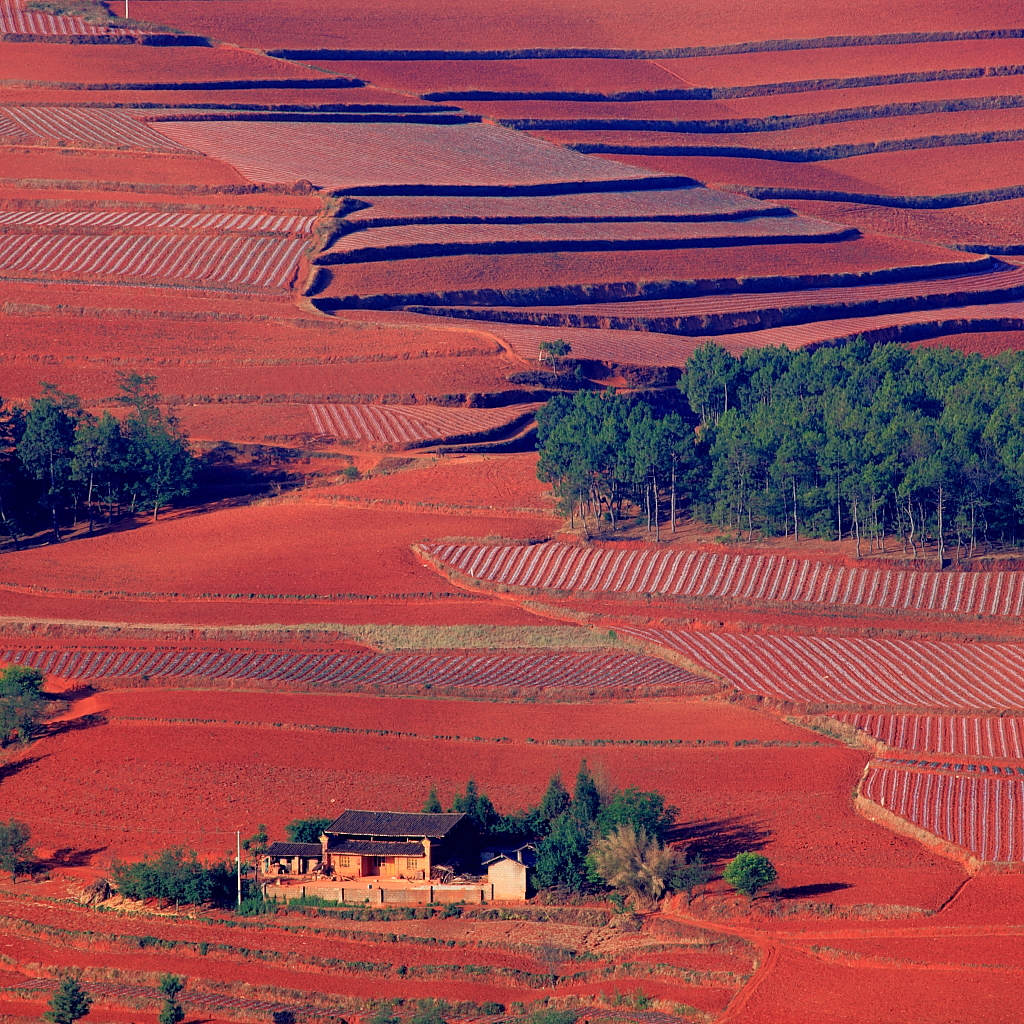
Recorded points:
238,862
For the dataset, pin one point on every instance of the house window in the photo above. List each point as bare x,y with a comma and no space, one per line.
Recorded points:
411,863
344,862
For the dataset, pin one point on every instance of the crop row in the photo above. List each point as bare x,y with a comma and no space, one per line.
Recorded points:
407,240
535,669
396,424
108,128
757,578
270,223
15,19
366,154
962,735
225,259
982,814
865,672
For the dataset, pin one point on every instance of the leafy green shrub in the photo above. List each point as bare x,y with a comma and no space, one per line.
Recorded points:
177,876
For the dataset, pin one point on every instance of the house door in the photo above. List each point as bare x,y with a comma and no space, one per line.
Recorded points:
374,865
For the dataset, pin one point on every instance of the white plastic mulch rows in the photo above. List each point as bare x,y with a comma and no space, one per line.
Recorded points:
69,217
113,129
704,574
198,259
539,669
16,20
397,424
977,807
961,735
865,672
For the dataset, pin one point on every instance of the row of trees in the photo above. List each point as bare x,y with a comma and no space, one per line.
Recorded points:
859,441
21,703
59,462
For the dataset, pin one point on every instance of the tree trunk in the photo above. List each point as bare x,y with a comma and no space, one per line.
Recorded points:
856,526
657,517
796,521
910,529
939,523
672,500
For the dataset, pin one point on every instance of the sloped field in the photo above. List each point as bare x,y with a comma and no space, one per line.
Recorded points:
745,578
398,425
960,735
864,672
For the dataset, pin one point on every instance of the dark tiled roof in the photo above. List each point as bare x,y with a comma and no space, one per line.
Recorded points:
369,848
394,823
294,850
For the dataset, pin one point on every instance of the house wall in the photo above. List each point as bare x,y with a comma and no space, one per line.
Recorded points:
508,879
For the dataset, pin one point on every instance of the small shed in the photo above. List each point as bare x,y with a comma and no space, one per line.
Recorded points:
507,878
292,858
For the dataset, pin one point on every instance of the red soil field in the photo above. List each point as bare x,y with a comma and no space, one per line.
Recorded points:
670,719
1010,278
985,224
983,343
844,62
465,25
538,270
46,63
499,482
803,986
366,553
919,172
852,132
45,163
578,75
817,98
724,171
797,799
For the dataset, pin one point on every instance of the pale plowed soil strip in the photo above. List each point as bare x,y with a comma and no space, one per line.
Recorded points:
396,424
234,260
368,243
368,153
77,218
749,578
974,810
107,128
538,670
667,203
962,735
865,672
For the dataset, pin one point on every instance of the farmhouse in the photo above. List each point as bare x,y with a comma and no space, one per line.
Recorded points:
396,845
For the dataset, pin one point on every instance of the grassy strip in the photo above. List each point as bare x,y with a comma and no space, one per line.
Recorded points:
449,738
950,200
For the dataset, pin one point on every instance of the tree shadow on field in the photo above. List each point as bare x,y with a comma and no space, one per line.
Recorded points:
803,892
11,768
69,857
50,729
720,839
